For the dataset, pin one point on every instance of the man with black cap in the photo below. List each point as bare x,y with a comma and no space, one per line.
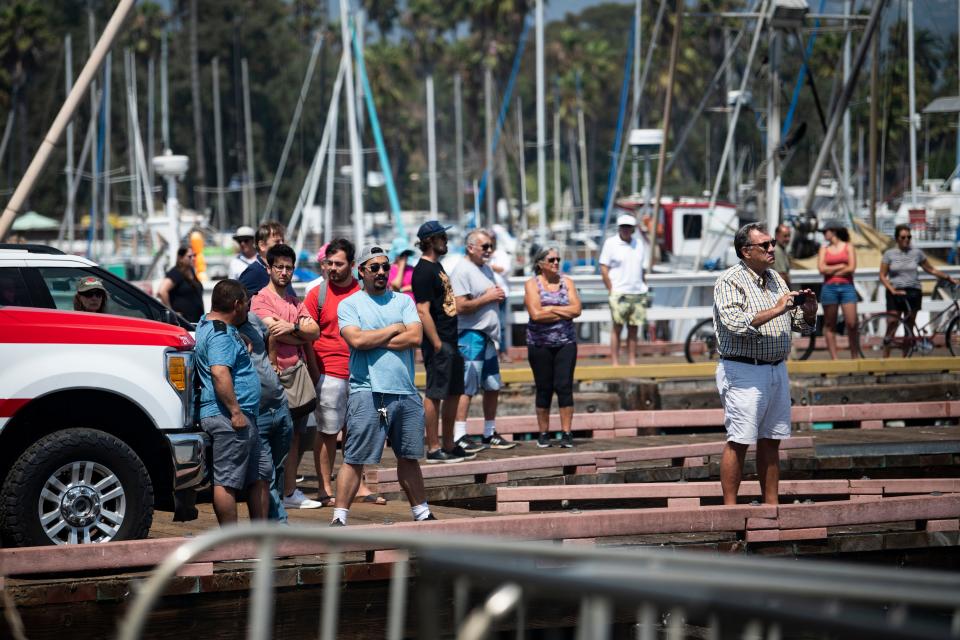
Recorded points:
382,329
248,252
622,262
441,357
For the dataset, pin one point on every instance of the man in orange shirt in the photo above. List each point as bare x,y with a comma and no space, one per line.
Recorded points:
332,361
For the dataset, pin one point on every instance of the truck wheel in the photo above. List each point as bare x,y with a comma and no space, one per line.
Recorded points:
76,486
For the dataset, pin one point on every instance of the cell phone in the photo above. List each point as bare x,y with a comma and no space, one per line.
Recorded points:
799,299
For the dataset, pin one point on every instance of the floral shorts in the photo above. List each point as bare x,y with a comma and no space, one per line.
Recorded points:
628,308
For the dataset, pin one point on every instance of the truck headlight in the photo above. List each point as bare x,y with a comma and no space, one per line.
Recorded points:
179,374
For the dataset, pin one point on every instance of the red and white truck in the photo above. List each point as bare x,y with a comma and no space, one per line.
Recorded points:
96,426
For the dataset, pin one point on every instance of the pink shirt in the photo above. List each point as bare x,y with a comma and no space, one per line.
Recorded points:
407,282
267,304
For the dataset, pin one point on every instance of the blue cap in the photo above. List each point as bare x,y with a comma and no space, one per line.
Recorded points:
430,228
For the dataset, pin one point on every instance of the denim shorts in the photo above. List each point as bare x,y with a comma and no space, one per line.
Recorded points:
368,431
838,294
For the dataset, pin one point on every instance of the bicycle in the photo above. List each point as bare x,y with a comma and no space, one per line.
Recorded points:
701,343
888,330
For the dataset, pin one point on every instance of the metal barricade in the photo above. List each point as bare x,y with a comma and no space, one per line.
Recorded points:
662,593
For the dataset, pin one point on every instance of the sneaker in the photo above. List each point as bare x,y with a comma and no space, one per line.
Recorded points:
300,479
543,441
460,454
434,457
497,442
337,522
431,517
297,500
566,440
470,445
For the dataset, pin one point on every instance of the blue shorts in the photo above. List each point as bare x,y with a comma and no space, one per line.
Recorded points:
838,294
481,364
367,431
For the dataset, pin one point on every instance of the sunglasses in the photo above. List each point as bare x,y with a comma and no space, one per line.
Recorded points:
282,268
552,260
904,237
485,247
92,293
376,267
763,245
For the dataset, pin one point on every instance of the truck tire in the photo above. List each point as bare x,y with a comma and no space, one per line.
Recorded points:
76,486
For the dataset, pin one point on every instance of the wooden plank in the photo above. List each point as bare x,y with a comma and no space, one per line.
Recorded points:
834,514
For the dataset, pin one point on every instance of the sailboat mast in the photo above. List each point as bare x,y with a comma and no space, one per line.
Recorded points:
431,147
71,201
541,133
458,138
356,177
218,144
913,105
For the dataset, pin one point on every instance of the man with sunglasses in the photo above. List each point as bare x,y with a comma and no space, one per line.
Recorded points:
292,331
753,314
382,329
478,301
248,252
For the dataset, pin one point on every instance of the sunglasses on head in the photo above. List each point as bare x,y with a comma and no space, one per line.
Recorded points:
376,267
763,245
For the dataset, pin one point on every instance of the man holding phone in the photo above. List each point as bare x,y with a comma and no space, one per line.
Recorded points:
753,314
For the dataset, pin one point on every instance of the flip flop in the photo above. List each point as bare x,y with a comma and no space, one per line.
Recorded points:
371,498
328,501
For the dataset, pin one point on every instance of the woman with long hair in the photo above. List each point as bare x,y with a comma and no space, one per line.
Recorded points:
91,296
181,290
552,303
837,261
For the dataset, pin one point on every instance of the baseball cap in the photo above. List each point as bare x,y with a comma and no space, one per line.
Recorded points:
430,228
369,252
322,252
244,232
90,283
626,220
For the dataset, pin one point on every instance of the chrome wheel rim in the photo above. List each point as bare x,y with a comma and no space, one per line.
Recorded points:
82,502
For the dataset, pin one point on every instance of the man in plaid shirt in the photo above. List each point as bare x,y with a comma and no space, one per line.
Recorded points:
753,314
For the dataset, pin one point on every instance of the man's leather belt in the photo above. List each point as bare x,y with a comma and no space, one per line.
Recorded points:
755,361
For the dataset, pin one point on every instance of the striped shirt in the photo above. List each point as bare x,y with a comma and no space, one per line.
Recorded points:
738,296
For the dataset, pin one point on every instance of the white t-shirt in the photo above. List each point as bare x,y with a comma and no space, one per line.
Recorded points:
239,264
502,260
625,261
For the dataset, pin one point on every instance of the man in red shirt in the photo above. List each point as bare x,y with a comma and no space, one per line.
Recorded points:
333,357
291,331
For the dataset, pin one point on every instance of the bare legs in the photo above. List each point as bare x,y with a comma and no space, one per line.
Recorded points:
632,331
566,418
615,344
438,421
324,456
768,470
830,312
350,479
853,329
225,502
490,400
830,328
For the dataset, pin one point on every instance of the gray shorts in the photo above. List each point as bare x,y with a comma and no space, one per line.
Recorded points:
236,452
331,411
367,432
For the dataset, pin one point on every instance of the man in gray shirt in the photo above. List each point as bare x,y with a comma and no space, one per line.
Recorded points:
274,423
478,301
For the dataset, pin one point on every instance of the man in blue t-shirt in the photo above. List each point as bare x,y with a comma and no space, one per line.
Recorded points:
382,329
229,402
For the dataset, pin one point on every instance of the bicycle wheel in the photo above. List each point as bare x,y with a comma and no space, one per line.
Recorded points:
701,342
953,336
873,336
802,346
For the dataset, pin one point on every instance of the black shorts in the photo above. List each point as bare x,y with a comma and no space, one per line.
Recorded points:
444,371
899,303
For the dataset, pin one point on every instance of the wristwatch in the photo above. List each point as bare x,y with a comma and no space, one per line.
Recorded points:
296,327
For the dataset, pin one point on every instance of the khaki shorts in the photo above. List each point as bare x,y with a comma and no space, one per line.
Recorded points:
628,308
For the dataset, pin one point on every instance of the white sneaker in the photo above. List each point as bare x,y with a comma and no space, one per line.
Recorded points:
297,500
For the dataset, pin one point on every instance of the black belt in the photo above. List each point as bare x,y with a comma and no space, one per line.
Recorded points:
754,361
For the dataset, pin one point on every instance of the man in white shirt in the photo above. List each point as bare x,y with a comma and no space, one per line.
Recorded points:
248,252
622,261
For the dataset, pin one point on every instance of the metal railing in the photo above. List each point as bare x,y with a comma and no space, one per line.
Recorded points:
660,592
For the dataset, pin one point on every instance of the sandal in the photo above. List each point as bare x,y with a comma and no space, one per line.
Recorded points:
328,501
371,498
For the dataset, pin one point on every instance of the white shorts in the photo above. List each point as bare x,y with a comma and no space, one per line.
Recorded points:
756,401
331,411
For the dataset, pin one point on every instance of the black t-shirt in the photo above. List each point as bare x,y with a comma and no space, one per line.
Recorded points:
431,284
186,297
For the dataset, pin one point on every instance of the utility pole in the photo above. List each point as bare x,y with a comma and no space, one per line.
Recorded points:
667,109
218,144
458,138
874,122
488,137
250,210
913,105
541,133
431,147
71,197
